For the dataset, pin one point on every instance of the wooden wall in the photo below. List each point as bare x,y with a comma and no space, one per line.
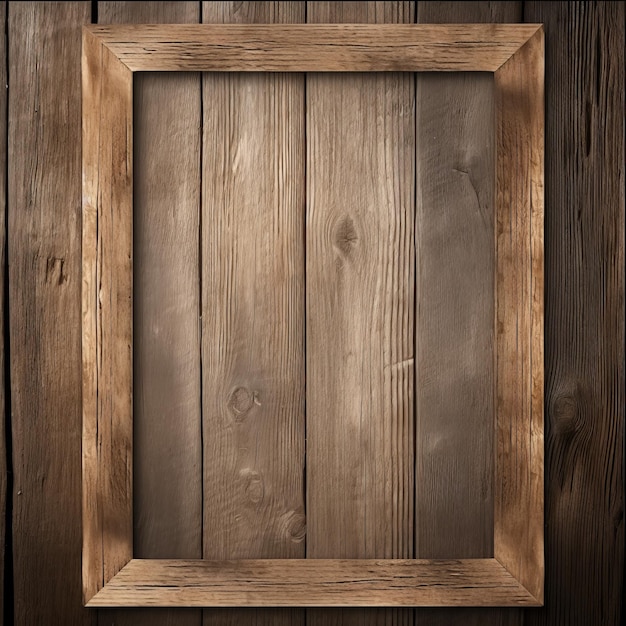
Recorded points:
40,381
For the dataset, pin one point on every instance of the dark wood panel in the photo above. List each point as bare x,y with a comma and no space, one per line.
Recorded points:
44,223
360,289
4,467
253,312
167,453
455,213
584,329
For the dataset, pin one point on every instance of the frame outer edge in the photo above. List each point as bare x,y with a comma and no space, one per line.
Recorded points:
97,543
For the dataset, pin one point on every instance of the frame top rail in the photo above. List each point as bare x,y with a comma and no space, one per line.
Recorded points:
314,47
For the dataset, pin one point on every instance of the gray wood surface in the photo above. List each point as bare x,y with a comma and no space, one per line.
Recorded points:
360,289
167,452
44,244
455,244
253,312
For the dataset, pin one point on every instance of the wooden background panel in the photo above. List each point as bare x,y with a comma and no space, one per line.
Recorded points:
44,222
4,461
167,453
456,174
584,332
584,356
253,311
360,258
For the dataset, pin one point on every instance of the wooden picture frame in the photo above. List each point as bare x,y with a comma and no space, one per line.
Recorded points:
111,54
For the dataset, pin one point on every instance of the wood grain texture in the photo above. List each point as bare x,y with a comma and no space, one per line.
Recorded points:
518,510
4,465
293,47
107,315
360,264
585,404
306,582
167,448
253,312
44,217
454,316
476,189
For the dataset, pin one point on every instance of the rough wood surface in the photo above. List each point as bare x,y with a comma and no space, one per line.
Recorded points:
4,467
305,582
253,312
475,100
360,290
585,403
107,315
167,442
278,48
518,510
44,219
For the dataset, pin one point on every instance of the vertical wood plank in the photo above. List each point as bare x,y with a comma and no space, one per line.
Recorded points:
107,315
454,316
584,351
253,311
44,221
167,457
360,289
455,245
3,444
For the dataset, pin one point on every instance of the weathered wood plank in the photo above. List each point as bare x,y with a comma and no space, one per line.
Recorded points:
360,289
455,239
4,467
278,48
454,316
253,312
44,218
585,403
323,582
107,315
167,458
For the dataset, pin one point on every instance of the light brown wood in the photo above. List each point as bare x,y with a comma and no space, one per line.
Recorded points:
107,171
253,315
518,528
313,47
314,582
360,258
253,312
167,452
107,315
360,289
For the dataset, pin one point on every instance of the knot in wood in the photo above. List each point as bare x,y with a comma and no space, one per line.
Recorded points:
345,237
565,414
254,487
241,401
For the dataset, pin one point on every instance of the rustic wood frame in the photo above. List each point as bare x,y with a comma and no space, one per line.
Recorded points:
111,54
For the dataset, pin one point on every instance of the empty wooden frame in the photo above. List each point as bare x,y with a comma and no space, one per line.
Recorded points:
111,577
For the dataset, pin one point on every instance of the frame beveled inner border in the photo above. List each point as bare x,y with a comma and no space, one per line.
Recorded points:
111,54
